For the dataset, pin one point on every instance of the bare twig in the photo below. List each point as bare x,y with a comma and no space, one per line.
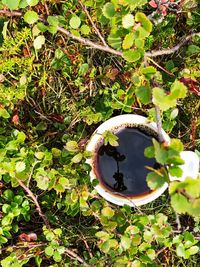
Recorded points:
31,195
159,124
178,222
90,43
10,13
46,8
92,22
75,256
160,67
158,116
107,48
173,49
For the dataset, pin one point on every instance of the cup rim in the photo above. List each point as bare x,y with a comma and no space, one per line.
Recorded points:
113,124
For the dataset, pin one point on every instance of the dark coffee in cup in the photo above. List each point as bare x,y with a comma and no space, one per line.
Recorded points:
122,169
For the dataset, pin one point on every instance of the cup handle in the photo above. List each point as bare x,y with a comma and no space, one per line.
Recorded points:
190,168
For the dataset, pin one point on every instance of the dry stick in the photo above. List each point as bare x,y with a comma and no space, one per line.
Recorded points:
74,255
107,48
160,67
173,49
31,195
90,43
11,13
92,22
159,124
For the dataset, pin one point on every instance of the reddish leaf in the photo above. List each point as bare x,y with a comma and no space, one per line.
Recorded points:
83,142
192,85
27,237
163,10
112,73
153,4
15,119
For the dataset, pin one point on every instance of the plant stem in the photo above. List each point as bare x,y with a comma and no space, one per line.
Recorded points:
107,48
92,22
31,195
159,124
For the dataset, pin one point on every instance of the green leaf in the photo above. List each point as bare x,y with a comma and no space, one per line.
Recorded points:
75,22
38,42
162,100
49,251
107,212
52,20
131,55
83,69
160,152
193,49
149,152
151,254
42,27
110,138
105,246
178,90
23,4
12,4
144,94
20,166
193,250
139,43
128,41
179,203
3,240
176,145
146,23
77,158
8,194
72,146
125,242
115,41
38,261
108,10
128,21
142,33
155,181
32,2
4,113
180,250
102,235
149,70
175,171
31,17
85,29
173,114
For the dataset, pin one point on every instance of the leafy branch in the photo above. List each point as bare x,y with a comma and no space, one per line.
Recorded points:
105,47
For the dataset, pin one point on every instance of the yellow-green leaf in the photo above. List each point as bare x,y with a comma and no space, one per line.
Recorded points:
128,41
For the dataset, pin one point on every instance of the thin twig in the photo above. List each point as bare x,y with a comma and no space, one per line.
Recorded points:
173,49
90,43
160,67
178,222
92,22
46,8
31,195
75,256
11,13
158,115
107,48
159,124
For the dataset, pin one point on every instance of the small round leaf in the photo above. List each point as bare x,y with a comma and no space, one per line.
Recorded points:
31,17
75,22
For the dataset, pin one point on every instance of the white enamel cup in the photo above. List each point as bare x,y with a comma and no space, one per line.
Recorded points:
190,167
